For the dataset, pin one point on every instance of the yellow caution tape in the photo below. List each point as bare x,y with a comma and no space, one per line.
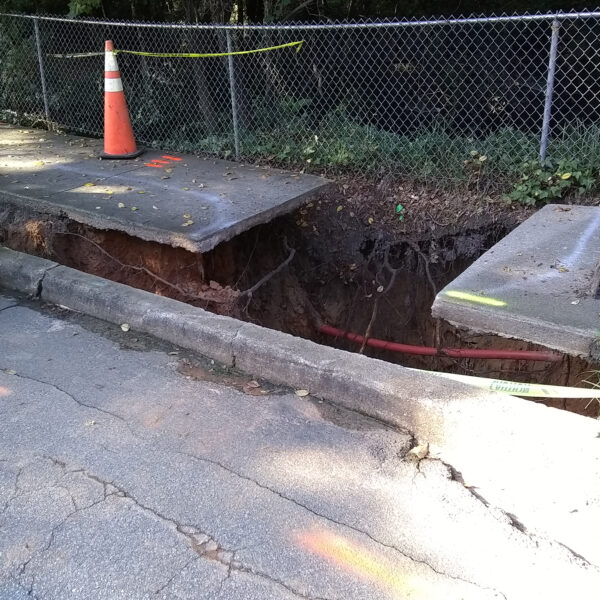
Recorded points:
201,55
184,54
77,55
532,390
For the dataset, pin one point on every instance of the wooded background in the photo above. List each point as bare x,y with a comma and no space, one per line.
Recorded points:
272,11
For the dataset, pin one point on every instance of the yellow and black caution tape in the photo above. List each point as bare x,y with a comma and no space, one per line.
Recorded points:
532,390
298,46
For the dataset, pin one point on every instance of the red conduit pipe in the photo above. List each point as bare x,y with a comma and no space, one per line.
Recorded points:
452,352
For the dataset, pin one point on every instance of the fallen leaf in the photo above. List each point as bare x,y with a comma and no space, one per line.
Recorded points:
339,208
187,223
302,393
141,192
89,423
380,289
154,207
125,327
121,205
10,372
134,208
253,390
165,177
370,220
89,184
419,451
186,216
98,207
169,170
186,189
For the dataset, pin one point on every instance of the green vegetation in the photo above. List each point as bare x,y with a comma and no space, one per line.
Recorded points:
540,184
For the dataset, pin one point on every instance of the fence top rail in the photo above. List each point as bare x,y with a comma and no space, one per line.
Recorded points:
560,16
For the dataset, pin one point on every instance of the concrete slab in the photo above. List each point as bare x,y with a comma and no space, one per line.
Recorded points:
538,284
175,199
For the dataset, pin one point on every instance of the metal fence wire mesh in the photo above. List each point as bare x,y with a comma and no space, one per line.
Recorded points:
431,100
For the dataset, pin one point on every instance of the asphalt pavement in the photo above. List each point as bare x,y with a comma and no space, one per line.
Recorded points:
130,468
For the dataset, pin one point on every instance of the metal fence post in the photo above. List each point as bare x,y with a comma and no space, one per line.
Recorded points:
38,44
234,112
549,90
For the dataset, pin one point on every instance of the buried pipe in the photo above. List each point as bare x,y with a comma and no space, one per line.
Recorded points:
532,355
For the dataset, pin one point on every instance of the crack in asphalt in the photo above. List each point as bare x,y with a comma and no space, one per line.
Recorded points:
74,399
253,481
38,553
9,307
16,492
513,521
334,521
29,590
281,495
202,543
177,573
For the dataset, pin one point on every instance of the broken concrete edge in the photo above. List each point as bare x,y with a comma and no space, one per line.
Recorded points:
266,216
103,223
153,234
505,447
574,341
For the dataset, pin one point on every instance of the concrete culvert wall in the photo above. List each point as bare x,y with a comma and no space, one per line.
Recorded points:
292,279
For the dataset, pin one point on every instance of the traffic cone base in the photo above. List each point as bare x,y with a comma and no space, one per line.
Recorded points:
116,156
118,134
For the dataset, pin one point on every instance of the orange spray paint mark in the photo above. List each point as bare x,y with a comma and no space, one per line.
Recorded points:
171,157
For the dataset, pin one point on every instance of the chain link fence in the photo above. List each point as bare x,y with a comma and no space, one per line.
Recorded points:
440,101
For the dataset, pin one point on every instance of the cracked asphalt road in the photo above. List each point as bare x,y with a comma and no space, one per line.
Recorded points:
122,478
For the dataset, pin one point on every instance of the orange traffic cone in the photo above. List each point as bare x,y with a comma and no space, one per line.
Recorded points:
118,134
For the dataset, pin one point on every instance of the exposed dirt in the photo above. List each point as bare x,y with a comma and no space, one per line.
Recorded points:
347,246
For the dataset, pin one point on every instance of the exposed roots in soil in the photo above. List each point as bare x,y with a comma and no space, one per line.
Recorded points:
334,271
249,293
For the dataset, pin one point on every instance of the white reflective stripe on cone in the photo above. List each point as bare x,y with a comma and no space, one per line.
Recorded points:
113,85
110,62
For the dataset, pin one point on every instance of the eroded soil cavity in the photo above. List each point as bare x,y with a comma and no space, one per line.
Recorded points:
305,270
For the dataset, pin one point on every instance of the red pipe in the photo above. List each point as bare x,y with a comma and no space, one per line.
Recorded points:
452,352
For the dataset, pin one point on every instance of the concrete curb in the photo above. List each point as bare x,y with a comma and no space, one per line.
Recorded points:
541,465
